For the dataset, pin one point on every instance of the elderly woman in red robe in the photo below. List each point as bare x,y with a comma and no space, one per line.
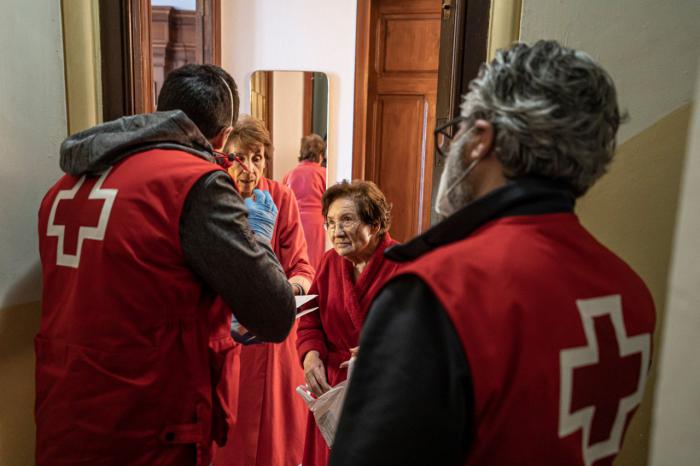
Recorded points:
357,218
269,415
308,182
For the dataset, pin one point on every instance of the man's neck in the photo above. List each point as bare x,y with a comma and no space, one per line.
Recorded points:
490,177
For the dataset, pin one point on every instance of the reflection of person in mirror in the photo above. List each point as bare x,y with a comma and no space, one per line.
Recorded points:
308,182
357,217
510,335
270,416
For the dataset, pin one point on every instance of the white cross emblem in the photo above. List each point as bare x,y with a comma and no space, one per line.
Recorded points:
85,232
573,358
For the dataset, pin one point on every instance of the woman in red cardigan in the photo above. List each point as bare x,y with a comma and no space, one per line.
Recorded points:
269,415
357,217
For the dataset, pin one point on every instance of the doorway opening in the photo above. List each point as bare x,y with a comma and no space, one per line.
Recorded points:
414,60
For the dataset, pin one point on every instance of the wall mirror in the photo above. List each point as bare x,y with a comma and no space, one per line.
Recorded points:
292,104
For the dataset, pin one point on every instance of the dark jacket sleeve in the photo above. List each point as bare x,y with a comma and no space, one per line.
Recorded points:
222,250
410,397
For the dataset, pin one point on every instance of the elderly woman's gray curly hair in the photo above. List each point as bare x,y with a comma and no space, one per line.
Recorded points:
554,112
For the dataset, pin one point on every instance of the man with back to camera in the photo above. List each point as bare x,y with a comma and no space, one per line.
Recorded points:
510,336
137,240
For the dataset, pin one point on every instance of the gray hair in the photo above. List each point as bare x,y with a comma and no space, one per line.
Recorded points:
554,112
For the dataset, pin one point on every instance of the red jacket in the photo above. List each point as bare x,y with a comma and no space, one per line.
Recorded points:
557,331
267,414
124,370
308,182
335,328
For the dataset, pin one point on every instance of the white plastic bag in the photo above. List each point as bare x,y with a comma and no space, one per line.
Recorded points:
326,408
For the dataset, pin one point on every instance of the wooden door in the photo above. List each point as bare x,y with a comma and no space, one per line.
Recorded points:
404,43
125,48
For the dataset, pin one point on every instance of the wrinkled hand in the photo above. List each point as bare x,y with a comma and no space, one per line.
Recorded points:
315,374
262,213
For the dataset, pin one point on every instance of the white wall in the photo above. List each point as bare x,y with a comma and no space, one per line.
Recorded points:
287,120
179,4
676,439
32,125
298,35
650,47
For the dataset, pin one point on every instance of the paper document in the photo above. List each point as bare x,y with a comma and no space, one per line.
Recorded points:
303,313
303,299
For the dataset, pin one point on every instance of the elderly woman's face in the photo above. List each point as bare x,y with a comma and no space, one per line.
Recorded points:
351,237
253,158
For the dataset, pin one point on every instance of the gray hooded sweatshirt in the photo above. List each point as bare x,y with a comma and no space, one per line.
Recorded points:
216,240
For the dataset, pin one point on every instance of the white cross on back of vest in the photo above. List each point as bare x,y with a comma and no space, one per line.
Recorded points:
96,232
601,317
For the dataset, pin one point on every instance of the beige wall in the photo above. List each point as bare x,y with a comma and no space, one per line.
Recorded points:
44,95
32,103
651,48
81,40
632,210
18,325
676,426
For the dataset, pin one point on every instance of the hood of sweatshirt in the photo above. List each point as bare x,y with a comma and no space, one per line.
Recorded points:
96,149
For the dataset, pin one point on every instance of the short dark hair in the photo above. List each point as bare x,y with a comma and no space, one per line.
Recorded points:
370,201
312,148
200,92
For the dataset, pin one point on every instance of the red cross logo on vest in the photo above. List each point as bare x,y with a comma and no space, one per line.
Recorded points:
600,412
78,214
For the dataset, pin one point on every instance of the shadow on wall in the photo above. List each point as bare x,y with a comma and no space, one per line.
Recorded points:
18,325
632,210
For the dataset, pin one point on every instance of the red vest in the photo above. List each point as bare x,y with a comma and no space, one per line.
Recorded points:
124,365
557,332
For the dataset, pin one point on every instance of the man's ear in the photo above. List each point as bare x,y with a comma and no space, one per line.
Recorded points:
481,143
219,141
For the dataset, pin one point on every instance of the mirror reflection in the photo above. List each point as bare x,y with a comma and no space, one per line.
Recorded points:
292,105
283,142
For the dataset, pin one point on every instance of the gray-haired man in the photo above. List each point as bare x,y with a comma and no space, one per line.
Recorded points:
510,336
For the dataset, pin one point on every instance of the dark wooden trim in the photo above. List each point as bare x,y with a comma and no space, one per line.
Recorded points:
126,58
215,26
359,134
114,71
209,31
463,48
144,101
125,35
475,41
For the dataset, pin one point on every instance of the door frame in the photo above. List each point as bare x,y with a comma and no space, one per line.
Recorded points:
463,47
125,45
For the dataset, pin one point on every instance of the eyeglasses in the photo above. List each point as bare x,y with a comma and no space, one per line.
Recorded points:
226,160
345,223
445,133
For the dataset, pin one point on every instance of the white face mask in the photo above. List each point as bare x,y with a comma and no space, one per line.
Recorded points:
454,191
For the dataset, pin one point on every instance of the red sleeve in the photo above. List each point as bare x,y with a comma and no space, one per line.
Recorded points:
310,333
291,244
